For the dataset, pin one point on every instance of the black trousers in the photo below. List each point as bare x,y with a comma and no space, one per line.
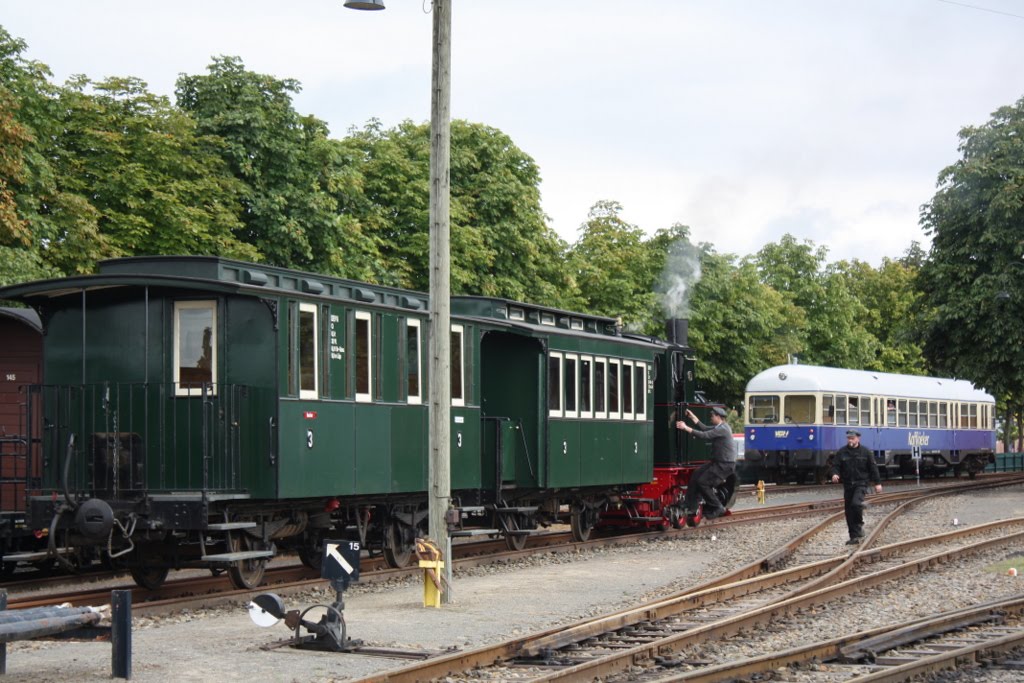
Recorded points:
702,484
853,503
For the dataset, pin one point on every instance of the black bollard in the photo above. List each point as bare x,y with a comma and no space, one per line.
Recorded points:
121,634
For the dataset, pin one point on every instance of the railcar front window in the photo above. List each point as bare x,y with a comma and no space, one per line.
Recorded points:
195,346
764,409
800,409
828,409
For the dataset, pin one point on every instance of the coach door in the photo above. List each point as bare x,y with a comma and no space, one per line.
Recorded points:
19,368
511,403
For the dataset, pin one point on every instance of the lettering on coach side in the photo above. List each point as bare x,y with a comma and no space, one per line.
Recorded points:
918,439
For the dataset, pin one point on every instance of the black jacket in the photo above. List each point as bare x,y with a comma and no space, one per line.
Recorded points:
855,466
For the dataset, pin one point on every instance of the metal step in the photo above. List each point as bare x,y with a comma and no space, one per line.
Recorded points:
242,555
230,526
33,556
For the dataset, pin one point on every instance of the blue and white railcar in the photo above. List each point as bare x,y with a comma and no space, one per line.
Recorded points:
797,417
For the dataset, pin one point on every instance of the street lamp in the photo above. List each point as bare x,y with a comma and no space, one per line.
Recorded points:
439,344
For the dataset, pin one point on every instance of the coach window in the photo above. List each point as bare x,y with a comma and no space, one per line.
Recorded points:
640,391
828,409
853,406
555,384
457,356
800,409
627,390
412,362
613,390
586,386
600,384
308,356
764,409
364,364
570,384
195,347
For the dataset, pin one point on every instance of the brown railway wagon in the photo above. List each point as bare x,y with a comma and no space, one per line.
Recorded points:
21,354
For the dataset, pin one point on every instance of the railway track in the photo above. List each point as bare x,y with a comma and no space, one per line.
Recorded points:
627,643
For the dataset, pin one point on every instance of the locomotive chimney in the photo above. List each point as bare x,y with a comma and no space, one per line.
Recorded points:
678,330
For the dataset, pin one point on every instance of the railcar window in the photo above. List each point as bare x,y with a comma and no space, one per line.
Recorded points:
799,408
912,414
890,412
613,389
364,365
555,385
841,410
586,386
933,414
457,356
627,390
853,407
828,409
308,356
412,362
599,388
901,412
195,347
974,416
764,409
964,420
570,384
865,410
943,412
640,392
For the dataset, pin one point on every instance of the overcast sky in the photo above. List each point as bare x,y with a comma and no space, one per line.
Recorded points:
744,119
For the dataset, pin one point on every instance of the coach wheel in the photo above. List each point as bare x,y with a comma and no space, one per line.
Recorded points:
514,523
398,547
581,521
150,578
246,574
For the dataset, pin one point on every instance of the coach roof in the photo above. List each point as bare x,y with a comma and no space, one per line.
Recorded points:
813,379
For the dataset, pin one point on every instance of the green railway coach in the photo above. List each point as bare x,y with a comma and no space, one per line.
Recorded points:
204,412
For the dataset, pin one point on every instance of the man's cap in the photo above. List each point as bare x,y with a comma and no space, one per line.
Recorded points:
852,432
720,412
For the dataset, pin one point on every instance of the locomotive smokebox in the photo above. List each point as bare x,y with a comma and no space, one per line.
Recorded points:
678,330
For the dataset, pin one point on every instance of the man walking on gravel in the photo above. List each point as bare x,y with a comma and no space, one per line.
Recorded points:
855,466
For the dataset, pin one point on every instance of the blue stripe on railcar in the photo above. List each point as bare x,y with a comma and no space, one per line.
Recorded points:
790,437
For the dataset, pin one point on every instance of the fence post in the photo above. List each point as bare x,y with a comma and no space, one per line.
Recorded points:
3,646
121,634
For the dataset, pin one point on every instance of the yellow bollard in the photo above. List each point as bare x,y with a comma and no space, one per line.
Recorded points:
431,582
760,491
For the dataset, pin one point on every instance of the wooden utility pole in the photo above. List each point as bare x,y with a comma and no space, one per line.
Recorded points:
439,469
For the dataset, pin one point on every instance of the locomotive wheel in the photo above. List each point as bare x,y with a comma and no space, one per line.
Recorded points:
397,549
245,574
311,551
150,578
581,522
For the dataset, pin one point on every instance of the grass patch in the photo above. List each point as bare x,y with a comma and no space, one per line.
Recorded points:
1002,566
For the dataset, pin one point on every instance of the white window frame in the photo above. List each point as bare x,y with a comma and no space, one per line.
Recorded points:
553,355
575,380
208,304
368,317
642,413
411,323
617,414
587,414
461,401
622,374
600,414
313,393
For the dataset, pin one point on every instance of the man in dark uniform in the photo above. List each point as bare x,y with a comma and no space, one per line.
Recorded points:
717,470
855,466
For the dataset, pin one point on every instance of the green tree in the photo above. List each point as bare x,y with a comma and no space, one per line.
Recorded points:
973,281
614,267
283,160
